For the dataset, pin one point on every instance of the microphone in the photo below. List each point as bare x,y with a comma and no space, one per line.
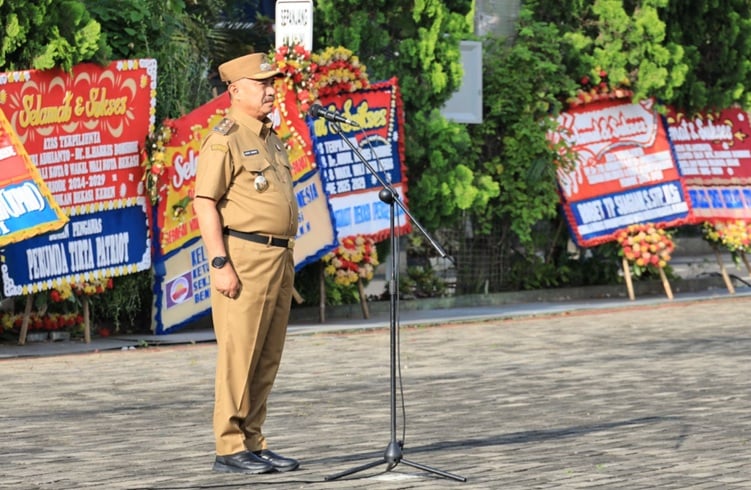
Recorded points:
317,111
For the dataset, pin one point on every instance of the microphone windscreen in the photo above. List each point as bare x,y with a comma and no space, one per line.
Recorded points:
315,110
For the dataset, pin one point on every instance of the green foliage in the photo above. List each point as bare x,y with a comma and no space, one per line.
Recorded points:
532,272
173,33
524,83
693,55
716,36
338,294
522,88
127,306
592,266
630,46
126,24
417,41
562,264
449,185
47,34
420,282
496,179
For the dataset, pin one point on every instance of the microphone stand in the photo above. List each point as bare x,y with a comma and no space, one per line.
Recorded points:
393,454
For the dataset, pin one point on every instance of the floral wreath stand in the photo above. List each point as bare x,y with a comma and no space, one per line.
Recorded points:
645,247
24,330
630,284
26,320
308,77
322,305
723,270
79,293
350,264
733,236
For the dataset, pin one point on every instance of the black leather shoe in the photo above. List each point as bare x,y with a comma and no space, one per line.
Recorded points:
280,463
242,462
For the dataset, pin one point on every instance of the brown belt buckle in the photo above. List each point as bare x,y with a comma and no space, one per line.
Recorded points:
291,243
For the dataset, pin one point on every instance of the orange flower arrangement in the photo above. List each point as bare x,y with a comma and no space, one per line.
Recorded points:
354,260
645,246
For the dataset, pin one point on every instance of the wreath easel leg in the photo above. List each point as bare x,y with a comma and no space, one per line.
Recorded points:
665,283
745,262
724,272
86,319
627,276
322,296
363,299
26,320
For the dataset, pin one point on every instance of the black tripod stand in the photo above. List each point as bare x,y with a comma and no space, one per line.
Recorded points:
393,454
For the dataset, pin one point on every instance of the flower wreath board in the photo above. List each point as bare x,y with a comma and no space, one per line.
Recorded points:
84,131
352,189
713,150
625,175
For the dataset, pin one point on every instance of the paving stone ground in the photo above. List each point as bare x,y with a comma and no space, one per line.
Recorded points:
635,397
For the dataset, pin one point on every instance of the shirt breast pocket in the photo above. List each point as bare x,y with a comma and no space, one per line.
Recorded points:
261,173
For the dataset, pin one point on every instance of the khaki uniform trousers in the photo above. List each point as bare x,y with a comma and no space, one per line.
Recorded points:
250,332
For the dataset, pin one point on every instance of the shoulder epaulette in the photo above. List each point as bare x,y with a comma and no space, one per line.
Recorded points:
224,126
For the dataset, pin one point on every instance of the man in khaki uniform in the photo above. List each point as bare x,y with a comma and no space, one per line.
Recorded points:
247,214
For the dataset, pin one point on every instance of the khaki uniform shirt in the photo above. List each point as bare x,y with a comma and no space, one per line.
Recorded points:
233,157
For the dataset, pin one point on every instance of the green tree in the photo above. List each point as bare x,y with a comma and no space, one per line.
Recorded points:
716,37
524,84
188,40
419,39
624,40
48,33
175,34
450,183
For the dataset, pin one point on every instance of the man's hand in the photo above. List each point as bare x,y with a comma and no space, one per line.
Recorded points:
225,281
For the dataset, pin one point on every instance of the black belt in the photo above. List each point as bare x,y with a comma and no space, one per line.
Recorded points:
265,239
